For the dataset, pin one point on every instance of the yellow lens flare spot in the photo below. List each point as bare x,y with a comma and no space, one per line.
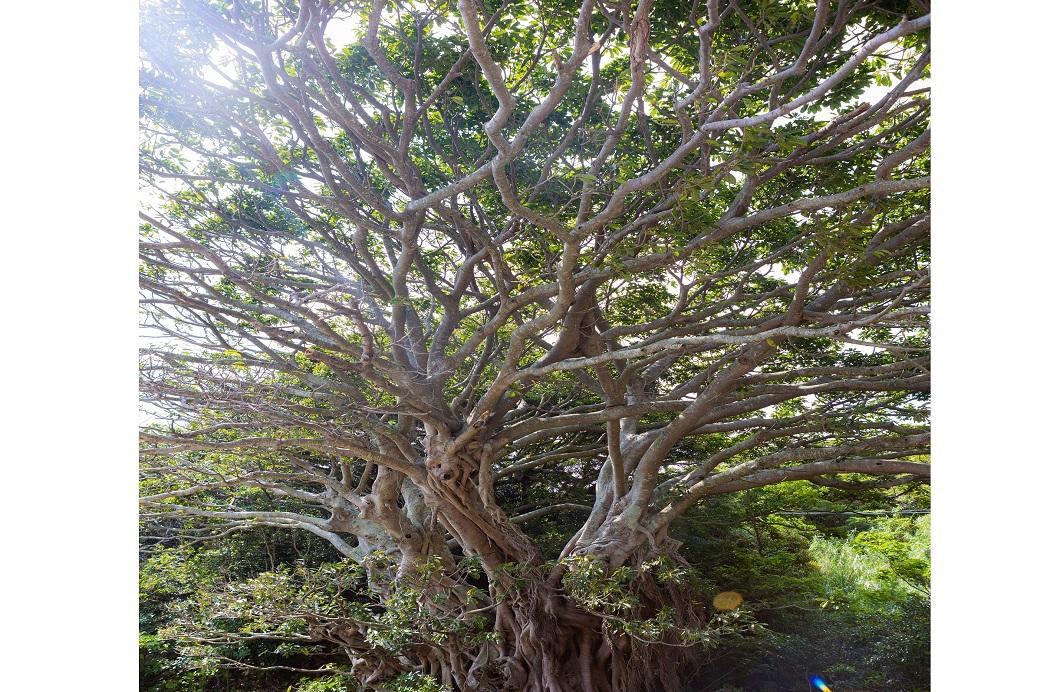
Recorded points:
727,600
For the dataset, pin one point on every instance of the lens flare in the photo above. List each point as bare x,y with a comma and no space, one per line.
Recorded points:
819,684
727,600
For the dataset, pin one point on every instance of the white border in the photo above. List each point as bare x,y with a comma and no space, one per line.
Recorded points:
68,223
986,485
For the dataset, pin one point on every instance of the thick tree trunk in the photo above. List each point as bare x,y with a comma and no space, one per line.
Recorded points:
543,640
550,645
